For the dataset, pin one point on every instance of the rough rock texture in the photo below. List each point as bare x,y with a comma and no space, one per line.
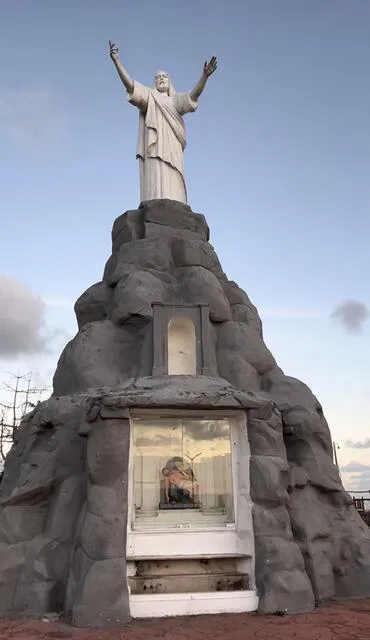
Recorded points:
63,497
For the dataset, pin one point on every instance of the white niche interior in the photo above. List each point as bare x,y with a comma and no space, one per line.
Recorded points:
181,347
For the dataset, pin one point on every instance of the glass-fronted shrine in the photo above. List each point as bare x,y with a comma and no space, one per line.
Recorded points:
182,472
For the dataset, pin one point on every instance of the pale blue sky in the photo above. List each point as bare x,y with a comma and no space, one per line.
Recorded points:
278,160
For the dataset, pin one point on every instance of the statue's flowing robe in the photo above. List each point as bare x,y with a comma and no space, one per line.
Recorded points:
161,142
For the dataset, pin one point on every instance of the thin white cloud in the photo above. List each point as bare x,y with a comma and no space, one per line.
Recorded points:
21,319
358,444
359,482
351,314
355,467
356,476
23,328
32,116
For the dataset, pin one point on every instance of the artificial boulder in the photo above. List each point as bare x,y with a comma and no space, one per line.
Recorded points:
64,493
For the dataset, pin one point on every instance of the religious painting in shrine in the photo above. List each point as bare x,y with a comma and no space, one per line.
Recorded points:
179,485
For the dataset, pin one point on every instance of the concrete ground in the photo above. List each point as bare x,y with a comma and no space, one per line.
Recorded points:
348,620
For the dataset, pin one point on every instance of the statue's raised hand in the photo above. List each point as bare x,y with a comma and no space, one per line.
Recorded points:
210,67
113,50
127,81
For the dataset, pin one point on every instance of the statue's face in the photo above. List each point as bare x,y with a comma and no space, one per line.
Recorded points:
162,82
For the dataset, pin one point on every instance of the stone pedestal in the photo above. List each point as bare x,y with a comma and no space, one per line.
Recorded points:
64,495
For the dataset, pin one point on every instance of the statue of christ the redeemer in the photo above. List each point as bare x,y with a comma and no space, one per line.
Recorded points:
161,139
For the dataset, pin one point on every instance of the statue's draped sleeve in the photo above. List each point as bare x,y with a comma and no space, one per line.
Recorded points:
139,96
184,103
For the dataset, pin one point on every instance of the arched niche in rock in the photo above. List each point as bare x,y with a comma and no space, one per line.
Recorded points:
182,342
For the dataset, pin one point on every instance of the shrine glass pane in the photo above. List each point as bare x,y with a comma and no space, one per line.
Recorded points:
182,475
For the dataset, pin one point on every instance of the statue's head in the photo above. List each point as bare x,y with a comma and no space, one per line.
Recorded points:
163,82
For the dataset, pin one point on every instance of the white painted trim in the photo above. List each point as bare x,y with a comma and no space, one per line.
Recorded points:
234,449
185,542
130,492
243,511
190,604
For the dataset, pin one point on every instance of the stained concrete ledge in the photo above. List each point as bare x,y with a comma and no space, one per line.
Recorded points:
177,392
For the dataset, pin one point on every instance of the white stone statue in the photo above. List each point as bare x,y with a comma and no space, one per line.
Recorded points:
161,139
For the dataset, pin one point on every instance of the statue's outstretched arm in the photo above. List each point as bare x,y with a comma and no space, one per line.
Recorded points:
209,68
126,79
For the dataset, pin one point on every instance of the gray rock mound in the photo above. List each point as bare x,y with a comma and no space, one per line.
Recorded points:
63,497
